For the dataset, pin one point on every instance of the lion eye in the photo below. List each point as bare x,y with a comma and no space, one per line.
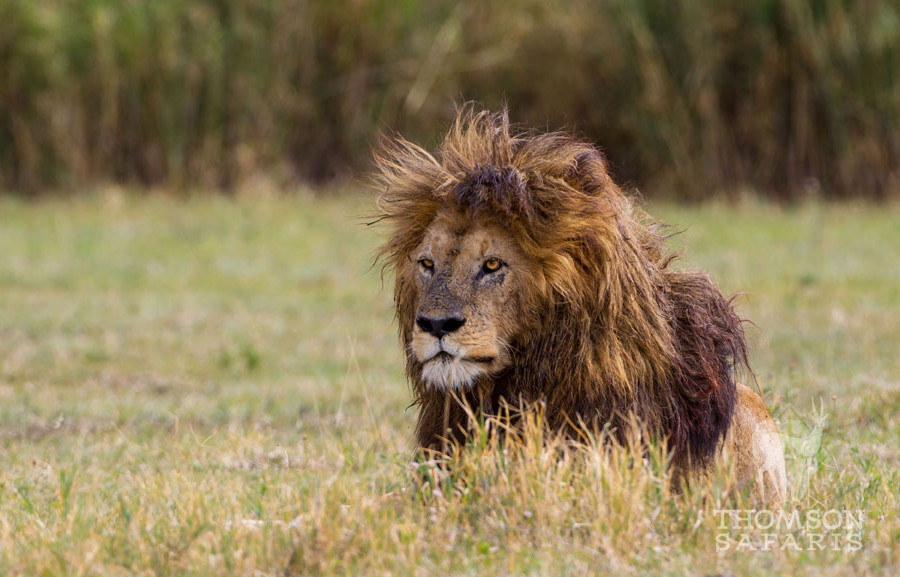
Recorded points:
427,264
491,265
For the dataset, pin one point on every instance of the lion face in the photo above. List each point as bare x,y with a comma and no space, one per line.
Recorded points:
469,304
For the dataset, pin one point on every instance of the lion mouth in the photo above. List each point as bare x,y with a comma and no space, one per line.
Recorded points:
445,357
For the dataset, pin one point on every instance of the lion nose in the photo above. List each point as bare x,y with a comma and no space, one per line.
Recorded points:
440,327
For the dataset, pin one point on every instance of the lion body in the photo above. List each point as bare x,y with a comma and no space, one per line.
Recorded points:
586,315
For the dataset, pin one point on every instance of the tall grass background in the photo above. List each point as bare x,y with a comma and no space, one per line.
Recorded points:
692,98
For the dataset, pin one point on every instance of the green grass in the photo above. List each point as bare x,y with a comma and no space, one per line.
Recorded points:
208,386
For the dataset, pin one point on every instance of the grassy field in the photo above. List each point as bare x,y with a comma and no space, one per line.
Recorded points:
209,386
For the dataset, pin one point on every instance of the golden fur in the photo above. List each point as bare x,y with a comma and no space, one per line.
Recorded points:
586,316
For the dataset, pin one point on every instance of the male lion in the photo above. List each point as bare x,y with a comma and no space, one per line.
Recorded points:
524,274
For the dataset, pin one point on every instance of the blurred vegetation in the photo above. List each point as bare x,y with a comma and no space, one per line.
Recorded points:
787,97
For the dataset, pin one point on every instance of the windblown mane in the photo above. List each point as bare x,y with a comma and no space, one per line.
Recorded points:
616,331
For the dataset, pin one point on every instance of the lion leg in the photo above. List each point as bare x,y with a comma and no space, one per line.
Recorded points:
756,448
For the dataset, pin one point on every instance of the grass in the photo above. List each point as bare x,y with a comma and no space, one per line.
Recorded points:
212,386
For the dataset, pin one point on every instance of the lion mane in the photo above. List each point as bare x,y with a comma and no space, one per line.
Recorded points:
616,332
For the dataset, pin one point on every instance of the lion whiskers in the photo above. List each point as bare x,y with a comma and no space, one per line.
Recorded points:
506,349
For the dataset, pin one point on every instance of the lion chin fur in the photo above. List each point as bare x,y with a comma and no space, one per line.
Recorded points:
615,332
450,375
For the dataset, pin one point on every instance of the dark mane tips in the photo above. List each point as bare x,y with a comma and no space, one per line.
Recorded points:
501,189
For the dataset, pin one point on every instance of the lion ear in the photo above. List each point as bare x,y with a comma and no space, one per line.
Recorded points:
589,172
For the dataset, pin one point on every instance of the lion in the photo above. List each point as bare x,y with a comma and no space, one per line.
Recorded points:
525,275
